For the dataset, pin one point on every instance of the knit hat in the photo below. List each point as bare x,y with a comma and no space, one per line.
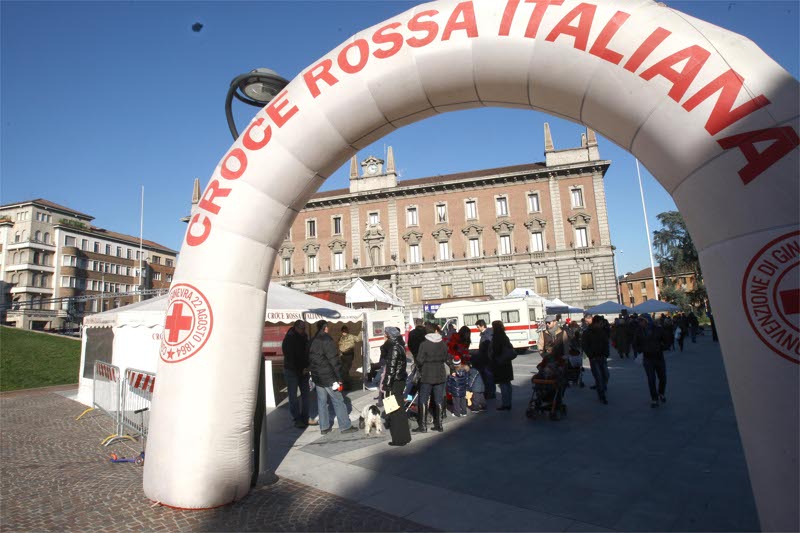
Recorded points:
456,360
392,332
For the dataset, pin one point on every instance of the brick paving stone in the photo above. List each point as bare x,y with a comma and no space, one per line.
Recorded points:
55,476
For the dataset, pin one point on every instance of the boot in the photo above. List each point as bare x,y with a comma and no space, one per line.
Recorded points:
422,420
437,418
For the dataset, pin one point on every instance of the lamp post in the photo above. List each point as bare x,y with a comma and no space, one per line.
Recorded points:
616,278
256,88
647,231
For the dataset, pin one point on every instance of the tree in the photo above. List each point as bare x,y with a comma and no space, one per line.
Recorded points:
676,254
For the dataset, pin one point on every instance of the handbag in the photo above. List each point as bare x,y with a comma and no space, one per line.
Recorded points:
390,404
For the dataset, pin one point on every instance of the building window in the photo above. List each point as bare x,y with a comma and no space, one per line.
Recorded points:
542,288
509,317
416,295
337,225
96,247
119,251
156,260
644,298
85,245
287,266
508,286
630,287
577,197
69,241
477,288
533,202
447,291
169,278
471,209
441,213
374,218
413,253
47,237
311,229
169,262
128,253
502,206
587,281
157,276
633,300
581,238
65,281
16,237
644,286
338,261
37,237
411,217
683,282
312,263
108,249
474,247
444,251
537,242
505,244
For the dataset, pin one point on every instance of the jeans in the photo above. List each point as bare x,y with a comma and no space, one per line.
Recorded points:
323,393
427,389
293,382
459,405
478,401
656,368
599,368
488,381
505,394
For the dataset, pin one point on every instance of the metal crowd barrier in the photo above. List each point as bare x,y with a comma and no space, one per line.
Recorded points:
137,393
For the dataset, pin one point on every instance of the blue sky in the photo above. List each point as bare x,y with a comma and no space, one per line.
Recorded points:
100,98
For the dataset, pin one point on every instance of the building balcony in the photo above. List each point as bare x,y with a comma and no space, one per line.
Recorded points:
38,245
30,266
20,289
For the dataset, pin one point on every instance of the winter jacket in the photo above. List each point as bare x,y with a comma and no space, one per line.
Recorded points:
455,347
295,351
475,382
415,338
482,359
595,343
395,357
433,360
457,385
326,368
502,354
347,342
555,344
650,342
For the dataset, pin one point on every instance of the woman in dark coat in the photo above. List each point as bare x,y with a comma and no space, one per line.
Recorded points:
394,383
502,354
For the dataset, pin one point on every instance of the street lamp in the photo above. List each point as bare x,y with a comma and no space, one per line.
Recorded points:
255,88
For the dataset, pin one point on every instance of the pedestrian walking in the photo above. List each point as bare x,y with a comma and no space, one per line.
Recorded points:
326,371
651,343
595,345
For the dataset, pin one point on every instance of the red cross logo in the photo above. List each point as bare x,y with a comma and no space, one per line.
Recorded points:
176,323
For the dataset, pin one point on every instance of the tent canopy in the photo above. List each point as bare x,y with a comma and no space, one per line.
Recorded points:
655,306
284,306
608,307
362,292
560,304
521,292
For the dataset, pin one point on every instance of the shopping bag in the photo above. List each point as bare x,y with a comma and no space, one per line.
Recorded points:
390,404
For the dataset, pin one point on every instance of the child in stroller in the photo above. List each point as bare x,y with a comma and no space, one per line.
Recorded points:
548,389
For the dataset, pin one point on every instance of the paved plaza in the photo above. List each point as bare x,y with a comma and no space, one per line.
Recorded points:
622,466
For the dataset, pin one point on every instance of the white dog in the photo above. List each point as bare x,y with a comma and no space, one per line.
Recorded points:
371,418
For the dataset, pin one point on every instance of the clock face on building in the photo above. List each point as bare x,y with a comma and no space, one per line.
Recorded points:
372,168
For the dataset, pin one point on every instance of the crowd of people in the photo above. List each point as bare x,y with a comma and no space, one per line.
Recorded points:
443,369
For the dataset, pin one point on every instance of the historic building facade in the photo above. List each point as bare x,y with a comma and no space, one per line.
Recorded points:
55,267
482,233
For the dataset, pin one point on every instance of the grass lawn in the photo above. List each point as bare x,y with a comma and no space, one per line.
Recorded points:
30,359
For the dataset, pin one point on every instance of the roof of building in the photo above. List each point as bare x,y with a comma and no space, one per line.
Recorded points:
646,274
443,178
52,205
102,232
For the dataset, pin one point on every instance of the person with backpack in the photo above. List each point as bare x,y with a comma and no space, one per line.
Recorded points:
502,353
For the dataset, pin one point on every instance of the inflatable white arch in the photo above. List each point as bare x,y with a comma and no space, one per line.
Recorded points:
712,117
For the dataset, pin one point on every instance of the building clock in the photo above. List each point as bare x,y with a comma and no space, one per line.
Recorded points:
372,168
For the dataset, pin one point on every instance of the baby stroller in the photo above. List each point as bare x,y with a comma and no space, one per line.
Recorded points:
548,393
575,370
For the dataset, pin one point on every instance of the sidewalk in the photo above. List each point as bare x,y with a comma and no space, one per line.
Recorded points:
622,466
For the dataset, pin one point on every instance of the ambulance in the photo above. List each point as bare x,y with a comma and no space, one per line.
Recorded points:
522,318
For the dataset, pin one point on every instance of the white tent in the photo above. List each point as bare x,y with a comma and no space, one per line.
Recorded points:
130,336
360,292
655,306
607,308
521,292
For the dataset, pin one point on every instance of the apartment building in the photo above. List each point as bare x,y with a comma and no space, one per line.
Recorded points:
637,287
55,266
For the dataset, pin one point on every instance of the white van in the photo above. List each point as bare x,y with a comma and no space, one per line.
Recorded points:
377,321
521,317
